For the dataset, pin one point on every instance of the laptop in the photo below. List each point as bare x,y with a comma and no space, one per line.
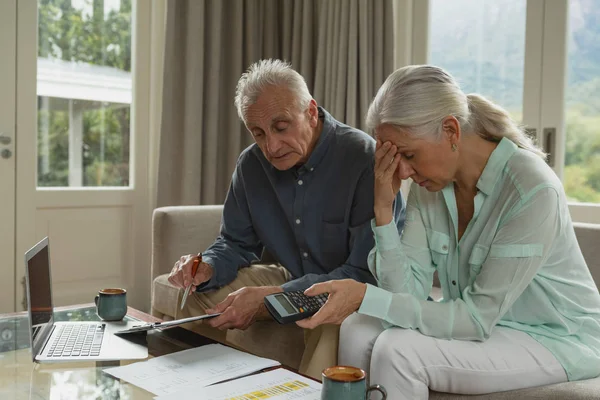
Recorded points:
57,341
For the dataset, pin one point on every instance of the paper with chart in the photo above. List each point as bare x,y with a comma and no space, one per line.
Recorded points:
190,369
279,384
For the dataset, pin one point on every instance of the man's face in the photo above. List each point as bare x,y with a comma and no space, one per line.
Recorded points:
285,133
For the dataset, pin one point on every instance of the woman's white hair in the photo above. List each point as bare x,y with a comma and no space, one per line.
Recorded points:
263,74
419,97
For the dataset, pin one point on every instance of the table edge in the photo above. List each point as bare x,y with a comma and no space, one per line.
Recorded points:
132,312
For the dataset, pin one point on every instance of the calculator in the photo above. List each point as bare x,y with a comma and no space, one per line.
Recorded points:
289,307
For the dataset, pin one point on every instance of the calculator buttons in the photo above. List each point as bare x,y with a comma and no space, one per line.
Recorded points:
307,303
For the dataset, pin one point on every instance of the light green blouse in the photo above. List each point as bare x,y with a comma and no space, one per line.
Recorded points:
518,264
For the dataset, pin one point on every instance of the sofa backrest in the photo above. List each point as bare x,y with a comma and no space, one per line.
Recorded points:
588,236
190,229
181,230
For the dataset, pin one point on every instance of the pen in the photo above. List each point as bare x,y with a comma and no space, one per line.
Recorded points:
194,269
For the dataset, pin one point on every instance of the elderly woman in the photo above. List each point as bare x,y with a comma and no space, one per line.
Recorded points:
486,213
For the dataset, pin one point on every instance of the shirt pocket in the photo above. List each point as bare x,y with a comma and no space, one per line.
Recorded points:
335,244
516,250
478,256
481,253
439,244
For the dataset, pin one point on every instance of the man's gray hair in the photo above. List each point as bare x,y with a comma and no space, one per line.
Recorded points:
419,97
263,74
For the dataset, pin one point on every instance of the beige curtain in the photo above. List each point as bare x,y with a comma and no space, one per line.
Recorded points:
343,48
355,55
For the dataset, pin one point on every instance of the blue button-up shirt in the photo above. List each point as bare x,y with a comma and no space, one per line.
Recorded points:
314,219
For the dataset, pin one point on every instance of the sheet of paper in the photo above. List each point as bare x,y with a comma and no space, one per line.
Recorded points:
190,369
279,384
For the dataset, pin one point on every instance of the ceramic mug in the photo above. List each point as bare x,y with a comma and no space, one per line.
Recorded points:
111,304
347,383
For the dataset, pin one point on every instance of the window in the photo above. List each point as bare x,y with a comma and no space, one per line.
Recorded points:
484,48
84,93
582,111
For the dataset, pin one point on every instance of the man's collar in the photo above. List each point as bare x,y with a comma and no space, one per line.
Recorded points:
495,165
322,144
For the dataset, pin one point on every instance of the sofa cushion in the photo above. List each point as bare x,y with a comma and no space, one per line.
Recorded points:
580,390
588,237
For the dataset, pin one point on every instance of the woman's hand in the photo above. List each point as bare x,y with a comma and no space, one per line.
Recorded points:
345,297
387,181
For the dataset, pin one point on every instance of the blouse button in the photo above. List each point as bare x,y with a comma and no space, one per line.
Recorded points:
444,247
454,283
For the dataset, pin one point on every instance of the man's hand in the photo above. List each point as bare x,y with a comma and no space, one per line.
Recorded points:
181,274
242,307
345,297
387,181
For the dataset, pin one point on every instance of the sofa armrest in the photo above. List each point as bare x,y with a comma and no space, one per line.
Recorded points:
588,236
182,230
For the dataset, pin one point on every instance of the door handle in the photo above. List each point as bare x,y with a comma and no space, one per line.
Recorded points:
5,139
549,145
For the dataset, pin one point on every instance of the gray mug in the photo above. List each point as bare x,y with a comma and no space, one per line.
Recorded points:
347,383
111,304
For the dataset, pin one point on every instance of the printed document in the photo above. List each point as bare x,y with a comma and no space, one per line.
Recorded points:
190,369
279,384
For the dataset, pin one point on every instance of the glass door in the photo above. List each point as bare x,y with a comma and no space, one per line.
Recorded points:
82,121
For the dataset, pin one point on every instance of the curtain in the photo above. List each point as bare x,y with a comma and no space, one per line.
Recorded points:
343,48
355,55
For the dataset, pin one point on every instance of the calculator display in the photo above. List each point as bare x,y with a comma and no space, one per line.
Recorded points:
286,304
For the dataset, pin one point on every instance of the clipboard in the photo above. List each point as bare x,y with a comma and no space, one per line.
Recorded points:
163,325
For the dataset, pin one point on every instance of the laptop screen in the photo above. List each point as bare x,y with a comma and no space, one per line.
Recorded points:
39,293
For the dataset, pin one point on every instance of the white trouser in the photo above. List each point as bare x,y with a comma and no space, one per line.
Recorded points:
408,363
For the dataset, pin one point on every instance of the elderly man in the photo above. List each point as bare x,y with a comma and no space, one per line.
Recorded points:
304,193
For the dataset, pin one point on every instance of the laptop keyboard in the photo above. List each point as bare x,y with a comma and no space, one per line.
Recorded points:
77,340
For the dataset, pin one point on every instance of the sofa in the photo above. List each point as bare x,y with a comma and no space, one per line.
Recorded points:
189,229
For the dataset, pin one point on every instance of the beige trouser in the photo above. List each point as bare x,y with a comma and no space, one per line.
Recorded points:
320,344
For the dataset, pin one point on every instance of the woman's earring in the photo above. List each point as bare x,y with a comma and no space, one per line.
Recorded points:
454,147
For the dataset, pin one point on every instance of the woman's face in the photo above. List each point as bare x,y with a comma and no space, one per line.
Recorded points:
431,163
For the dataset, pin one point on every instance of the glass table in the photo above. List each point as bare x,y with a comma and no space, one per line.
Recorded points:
21,378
